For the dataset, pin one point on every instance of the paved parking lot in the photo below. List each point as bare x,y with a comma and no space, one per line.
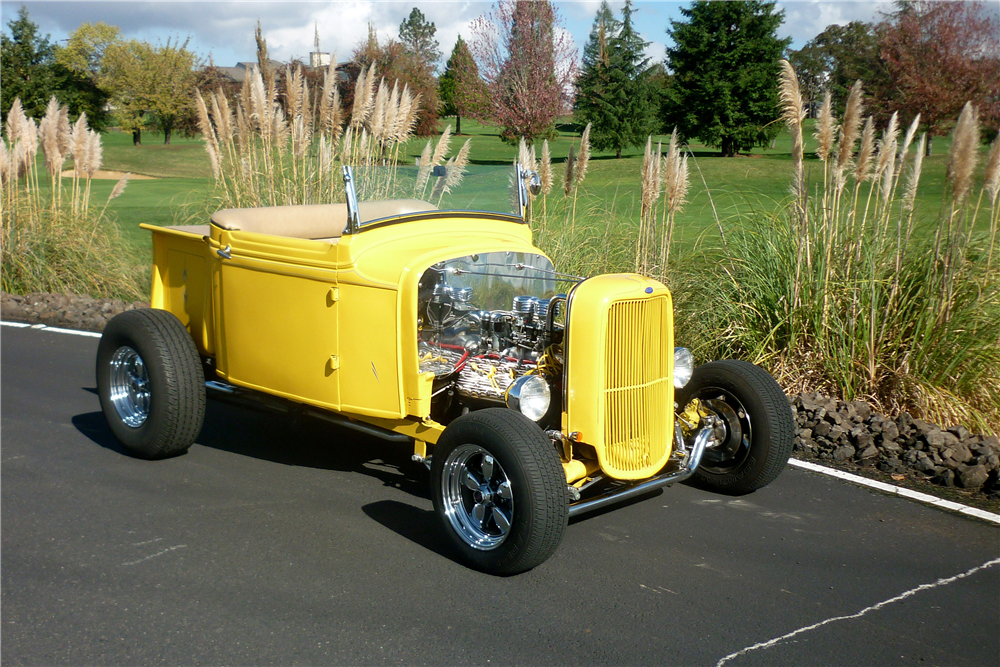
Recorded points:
271,542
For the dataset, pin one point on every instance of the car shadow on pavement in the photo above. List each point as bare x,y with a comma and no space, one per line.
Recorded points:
95,427
289,441
420,526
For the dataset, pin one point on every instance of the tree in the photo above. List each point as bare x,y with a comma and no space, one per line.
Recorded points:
149,84
528,67
614,93
462,91
941,55
839,56
811,66
29,71
725,61
27,60
417,35
84,50
395,62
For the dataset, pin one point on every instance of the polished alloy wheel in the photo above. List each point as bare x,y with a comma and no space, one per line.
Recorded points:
130,392
478,499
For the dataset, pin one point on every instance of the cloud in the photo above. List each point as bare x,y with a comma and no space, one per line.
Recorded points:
804,19
225,28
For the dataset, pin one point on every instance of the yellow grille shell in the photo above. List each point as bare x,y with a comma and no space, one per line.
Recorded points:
620,373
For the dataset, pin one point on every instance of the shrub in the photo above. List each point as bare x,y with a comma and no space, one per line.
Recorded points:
54,238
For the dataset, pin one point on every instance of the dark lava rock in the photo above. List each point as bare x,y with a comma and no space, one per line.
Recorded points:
972,477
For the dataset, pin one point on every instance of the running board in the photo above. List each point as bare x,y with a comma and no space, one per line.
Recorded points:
228,393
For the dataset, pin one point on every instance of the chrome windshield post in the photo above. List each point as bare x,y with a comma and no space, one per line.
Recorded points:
525,179
522,190
353,217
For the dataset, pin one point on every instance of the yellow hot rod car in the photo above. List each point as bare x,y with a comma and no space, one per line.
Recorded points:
433,320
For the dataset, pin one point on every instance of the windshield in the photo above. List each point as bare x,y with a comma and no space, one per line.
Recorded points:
486,188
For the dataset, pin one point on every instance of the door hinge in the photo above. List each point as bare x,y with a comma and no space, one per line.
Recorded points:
334,362
333,296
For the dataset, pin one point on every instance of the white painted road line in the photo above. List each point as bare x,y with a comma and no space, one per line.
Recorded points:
874,607
72,332
897,491
795,463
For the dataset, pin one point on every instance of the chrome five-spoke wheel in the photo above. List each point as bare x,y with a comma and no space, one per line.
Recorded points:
478,498
129,386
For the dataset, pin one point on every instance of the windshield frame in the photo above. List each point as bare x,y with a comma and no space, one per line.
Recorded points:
356,225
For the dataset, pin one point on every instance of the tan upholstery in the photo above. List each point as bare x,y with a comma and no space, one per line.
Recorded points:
200,230
318,221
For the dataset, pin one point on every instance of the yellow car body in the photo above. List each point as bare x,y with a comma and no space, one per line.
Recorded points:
332,323
446,330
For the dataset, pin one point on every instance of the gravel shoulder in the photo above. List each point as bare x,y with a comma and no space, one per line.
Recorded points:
948,462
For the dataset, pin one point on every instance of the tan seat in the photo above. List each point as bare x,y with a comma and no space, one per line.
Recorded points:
324,222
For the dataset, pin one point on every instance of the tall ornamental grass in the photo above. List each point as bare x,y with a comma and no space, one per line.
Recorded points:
54,237
268,152
836,292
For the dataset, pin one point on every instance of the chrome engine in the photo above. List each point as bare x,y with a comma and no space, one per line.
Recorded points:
481,352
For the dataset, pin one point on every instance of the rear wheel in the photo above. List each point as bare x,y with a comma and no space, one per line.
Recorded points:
500,491
150,382
759,431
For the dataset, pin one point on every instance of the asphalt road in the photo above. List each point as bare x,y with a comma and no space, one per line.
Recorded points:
278,543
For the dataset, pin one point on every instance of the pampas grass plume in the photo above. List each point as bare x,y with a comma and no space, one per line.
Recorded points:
963,154
991,176
584,158
545,168
825,128
862,169
851,128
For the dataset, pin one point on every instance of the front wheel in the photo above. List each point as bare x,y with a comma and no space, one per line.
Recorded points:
759,431
500,491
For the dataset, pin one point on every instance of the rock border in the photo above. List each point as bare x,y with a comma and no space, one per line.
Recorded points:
855,436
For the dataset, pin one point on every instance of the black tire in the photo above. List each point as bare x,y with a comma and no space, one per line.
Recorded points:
759,427
534,505
151,384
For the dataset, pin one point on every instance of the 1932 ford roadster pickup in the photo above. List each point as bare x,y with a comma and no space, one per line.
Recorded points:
530,394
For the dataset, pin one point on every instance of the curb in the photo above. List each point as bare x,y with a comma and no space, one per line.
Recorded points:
897,491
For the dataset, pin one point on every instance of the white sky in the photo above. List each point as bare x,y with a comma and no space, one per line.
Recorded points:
224,30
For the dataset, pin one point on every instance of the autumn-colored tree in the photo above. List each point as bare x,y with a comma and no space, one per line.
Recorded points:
940,56
149,84
395,62
528,66
461,89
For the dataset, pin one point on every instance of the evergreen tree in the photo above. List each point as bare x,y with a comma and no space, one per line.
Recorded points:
417,35
614,92
28,70
461,90
725,61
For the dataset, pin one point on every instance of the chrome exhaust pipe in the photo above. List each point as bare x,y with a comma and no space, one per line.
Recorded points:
706,438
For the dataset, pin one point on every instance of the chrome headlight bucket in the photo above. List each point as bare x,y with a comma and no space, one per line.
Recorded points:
683,366
530,395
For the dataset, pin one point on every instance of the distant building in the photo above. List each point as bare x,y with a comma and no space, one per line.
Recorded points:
319,59
239,73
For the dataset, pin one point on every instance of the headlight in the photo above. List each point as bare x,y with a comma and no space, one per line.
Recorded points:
529,394
683,366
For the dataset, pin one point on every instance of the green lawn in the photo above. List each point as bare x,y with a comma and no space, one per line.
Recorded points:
758,180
